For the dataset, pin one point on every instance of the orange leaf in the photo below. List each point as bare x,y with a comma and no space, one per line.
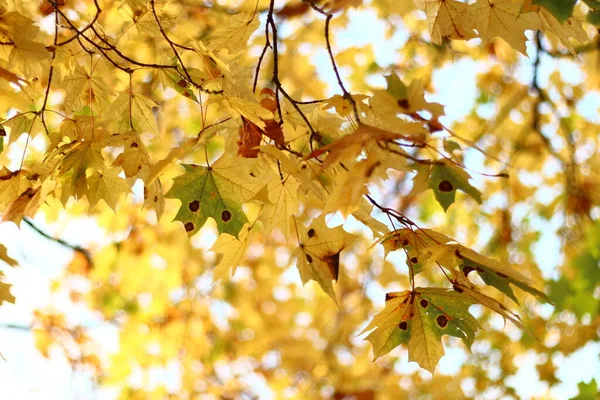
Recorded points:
250,135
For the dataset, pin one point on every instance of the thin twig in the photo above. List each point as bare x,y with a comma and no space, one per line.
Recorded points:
73,247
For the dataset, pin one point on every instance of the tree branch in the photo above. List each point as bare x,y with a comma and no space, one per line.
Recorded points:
63,243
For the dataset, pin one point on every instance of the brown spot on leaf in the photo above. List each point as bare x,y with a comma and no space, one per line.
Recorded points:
145,192
467,269
182,83
194,206
333,262
456,288
388,296
309,258
404,103
405,242
501,275
189,226
424,303
445,186
311,232
442,321
155,199
414,260
225,216
134,145
403,325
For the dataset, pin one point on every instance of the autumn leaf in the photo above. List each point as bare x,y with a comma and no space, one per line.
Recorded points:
12,184
494,273
447,19
285,115
25,205
351,187
232,250
463,286
318,253
351,145
250,136
106,185
419,319
416,244
216,191
5,295
251,111
135,159
234,35
131,112
5,257
561,10
282,205
83,88
446,178
571,28
12,77
504,19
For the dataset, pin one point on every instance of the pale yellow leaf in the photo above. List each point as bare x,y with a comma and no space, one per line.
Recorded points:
234,35
447,19
106,185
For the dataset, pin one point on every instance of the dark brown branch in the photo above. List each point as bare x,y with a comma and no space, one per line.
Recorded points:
541,98
347,96
80,32
173,45
275,78
50,76
73,247
392,213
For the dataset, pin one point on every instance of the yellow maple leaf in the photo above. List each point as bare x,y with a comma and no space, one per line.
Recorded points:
318,253
106,185
234,35
571,28
5,257
447,18
232,250
349,190
351,145
283,203
503,18
12,184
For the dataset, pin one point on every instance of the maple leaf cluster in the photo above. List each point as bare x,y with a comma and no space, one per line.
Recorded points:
210,116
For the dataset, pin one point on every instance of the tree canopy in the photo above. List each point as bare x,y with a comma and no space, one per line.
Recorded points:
233,152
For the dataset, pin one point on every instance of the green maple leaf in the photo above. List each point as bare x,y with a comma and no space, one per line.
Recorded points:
494,273
419,319
216,191
587,391
560,9
446,178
